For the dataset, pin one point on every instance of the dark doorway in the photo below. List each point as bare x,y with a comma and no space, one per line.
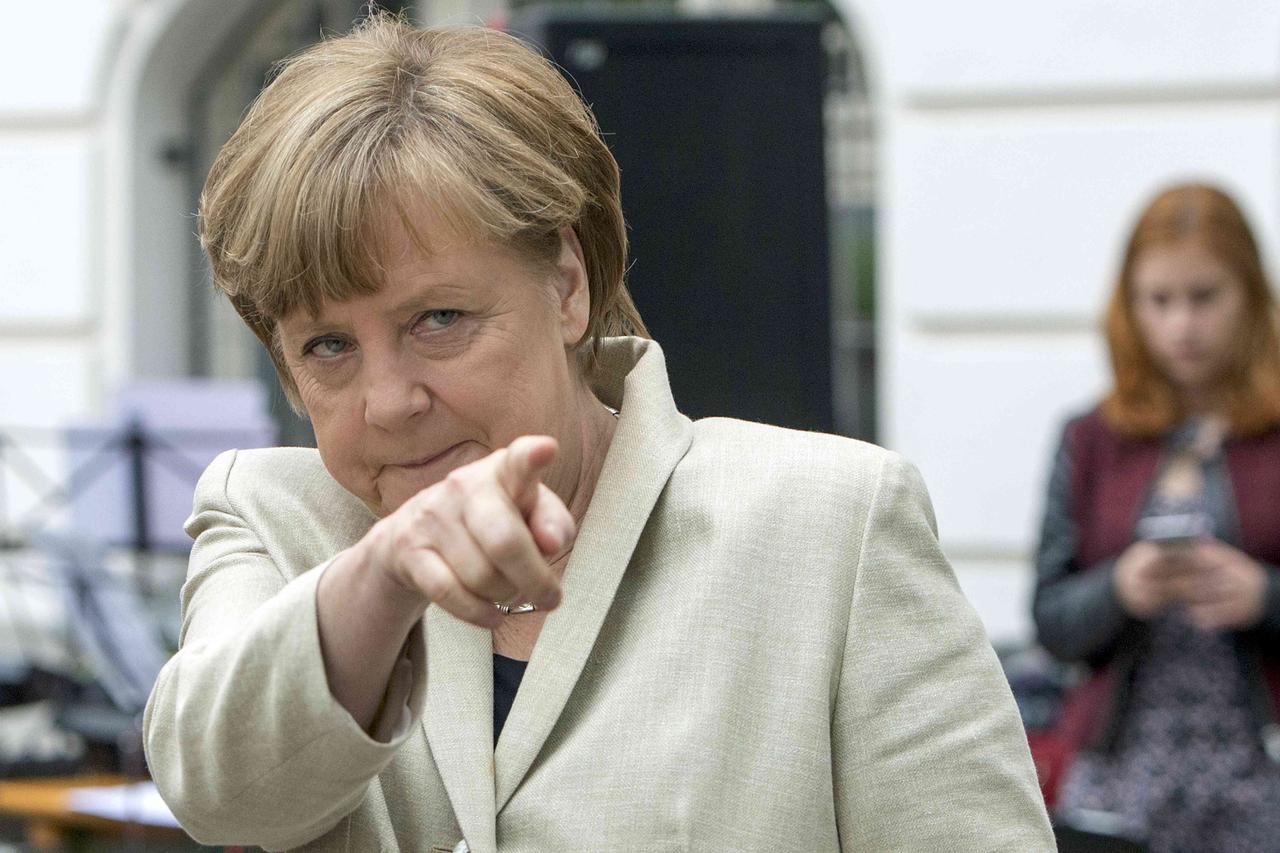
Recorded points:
717,125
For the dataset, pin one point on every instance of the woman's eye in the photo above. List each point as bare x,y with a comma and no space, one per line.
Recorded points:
326,347
433,321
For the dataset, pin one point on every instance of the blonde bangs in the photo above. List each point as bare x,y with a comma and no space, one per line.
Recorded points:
290,213
501,198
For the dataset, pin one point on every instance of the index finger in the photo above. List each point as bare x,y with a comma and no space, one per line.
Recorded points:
521,466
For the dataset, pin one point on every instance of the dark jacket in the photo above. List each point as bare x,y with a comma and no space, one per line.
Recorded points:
1097,488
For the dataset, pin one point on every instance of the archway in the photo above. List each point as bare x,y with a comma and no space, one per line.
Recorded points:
185,71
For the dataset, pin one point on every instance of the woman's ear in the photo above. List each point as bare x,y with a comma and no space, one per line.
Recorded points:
571,288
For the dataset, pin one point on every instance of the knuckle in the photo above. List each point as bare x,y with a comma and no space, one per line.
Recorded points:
440,594
459,483
506,546
481,577
401,538
434,585
434,506
443,596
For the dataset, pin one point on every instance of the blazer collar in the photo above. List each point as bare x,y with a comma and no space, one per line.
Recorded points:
458,721
650,440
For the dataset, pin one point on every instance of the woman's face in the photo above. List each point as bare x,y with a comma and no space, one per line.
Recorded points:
460,352
1190,309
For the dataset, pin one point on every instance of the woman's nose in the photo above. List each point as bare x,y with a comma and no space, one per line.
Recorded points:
1182,318
393,394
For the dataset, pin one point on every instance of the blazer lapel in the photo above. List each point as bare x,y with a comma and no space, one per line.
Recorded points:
458,721
650,439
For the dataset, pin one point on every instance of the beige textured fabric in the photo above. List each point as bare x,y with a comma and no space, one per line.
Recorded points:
760,648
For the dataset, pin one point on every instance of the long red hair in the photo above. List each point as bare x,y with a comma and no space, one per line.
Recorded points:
1143,402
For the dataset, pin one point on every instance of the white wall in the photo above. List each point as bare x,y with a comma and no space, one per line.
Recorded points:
1019,142
50,250
166,45
49,158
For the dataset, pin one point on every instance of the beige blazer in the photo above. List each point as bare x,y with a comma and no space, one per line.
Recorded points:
760,648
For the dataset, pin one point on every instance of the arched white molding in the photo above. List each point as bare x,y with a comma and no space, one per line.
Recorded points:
865,22
145,216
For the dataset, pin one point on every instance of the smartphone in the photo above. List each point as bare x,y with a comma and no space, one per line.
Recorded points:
1173,530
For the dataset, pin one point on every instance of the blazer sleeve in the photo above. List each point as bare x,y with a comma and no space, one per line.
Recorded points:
1270,624
929,750
243,738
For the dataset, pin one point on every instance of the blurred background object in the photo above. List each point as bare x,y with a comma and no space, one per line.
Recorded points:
133,475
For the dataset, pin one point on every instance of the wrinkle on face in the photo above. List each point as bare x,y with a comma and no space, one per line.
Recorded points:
506,368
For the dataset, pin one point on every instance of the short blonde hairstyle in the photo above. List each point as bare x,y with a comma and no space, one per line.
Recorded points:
469,121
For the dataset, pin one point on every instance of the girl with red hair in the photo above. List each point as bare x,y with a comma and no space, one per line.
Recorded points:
1157,563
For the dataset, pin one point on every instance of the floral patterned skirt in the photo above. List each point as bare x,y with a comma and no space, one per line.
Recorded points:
1188,772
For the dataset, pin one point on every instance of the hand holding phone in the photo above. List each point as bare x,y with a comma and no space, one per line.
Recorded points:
1228,589
1152,575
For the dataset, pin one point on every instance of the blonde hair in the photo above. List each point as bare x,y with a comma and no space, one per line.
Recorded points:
469,121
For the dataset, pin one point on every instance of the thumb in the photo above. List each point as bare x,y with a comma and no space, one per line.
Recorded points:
521,468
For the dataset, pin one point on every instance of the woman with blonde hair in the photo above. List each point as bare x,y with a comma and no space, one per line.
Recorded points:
515,600
1157,564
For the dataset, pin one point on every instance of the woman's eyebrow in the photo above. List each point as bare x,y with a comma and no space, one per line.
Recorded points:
312,327
432,292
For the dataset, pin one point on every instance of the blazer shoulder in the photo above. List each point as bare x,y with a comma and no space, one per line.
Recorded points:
826,468
274,482
729,435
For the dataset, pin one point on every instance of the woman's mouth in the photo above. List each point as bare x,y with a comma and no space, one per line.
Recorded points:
428,461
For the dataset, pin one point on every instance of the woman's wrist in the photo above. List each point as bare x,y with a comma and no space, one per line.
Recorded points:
363,617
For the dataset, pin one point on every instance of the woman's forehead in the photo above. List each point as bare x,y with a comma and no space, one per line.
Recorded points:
454,274
1176,263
